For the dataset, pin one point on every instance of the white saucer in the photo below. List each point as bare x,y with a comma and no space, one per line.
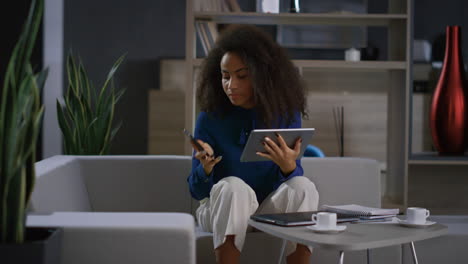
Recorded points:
408,224
339,228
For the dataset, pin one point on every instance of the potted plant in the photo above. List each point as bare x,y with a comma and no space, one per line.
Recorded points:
20,121
86,118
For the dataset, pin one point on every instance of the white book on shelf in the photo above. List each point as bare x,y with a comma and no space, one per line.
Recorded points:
202,36
208,37
268,6
212,32
359,210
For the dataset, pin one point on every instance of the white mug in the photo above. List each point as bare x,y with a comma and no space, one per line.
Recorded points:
268,6
352,54
416,215
324,220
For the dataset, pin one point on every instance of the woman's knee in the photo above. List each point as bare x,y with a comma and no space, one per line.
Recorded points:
303,184
231,185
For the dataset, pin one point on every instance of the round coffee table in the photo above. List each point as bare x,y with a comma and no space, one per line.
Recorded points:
356,236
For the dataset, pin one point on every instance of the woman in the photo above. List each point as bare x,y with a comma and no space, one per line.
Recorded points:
247,82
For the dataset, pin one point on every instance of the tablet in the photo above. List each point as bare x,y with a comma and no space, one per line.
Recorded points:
290,135
296,218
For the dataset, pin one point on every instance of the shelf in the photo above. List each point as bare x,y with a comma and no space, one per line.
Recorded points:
432,158
363,65
339,64
301,19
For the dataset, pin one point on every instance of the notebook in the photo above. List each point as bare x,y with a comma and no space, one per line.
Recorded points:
359,210
295,219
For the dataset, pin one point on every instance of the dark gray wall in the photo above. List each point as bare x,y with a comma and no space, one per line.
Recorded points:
100,31
432,16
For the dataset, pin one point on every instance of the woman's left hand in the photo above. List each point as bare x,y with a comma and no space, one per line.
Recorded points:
281,154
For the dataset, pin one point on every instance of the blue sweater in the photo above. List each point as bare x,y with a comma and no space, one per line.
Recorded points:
227,136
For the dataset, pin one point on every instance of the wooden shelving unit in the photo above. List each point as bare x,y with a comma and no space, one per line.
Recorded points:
398,23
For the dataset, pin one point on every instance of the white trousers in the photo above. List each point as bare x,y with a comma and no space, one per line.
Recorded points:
232,202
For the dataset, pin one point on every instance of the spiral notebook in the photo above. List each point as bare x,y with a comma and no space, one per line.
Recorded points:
359,210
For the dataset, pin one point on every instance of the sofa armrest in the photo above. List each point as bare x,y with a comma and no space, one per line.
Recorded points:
121,238
59,186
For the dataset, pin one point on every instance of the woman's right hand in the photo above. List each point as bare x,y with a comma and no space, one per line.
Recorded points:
206,157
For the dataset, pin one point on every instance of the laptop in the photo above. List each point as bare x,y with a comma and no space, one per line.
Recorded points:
295,219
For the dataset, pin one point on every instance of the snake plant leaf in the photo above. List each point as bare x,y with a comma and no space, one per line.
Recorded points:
106,149
30,170
91,143
115,130
12,135
20,118
103,104
87,115
84,81
119,95
10,74
14,218
111,73
29,34
78,121
111,117
69,110
63,123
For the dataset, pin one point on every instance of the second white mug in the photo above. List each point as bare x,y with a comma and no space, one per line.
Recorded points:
416,215
324,220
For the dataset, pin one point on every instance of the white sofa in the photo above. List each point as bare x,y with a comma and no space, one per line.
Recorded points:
137,209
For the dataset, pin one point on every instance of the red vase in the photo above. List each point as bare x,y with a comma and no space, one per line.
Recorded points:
449,109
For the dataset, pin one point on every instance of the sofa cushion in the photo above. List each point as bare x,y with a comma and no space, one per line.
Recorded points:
345,180
341,180
137,183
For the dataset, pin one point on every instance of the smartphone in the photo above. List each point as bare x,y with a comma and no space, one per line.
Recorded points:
195,143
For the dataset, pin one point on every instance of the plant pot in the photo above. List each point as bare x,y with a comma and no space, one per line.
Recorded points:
42,246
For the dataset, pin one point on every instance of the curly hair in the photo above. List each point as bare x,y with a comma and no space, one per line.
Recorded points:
277,86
